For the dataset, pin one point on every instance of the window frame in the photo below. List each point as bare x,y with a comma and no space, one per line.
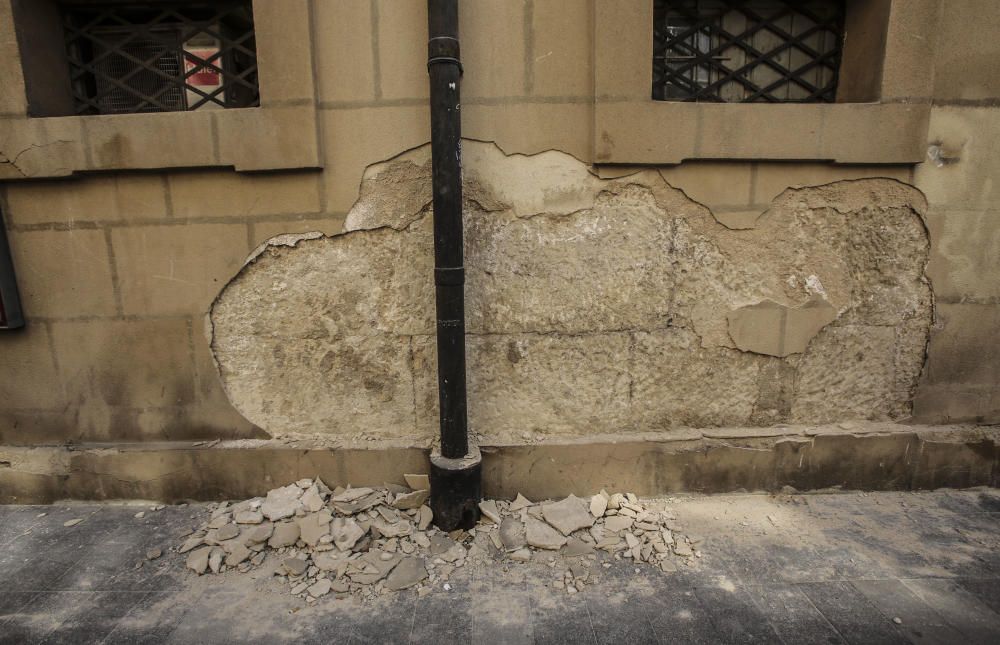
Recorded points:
886,122
284,126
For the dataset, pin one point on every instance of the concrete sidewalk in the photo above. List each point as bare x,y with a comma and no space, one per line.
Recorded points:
823,568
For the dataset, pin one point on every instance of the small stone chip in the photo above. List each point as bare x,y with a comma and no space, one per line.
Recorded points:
490,510
197,560
249,517
598,504
418,482
153,554
72,522
542,536
227,532
520,502
568,515
408,572
426,517
408,501
294,566
521,555
320,588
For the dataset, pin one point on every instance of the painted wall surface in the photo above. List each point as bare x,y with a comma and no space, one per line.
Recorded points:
119,271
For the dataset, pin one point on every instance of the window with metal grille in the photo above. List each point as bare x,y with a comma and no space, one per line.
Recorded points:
127,57
747,51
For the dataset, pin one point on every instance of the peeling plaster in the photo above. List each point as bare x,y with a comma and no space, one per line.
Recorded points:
595,306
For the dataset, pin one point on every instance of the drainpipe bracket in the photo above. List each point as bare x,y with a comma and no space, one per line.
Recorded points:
456,489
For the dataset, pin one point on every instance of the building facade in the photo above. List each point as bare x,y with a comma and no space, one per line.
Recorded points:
706,250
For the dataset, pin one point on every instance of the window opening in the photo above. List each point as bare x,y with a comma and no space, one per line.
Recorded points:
747,51
160,56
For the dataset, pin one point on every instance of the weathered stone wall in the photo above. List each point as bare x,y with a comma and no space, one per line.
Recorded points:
595,306
118,269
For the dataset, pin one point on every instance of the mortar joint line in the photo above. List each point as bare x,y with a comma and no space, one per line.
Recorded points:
376,63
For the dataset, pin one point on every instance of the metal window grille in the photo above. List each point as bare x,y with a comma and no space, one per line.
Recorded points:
152,56
747,51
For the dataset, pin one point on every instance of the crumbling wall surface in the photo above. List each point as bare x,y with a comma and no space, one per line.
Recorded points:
595,306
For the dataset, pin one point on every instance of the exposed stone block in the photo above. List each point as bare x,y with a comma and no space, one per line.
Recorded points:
594,306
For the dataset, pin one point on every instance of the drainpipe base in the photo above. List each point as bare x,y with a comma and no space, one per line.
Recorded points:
456,490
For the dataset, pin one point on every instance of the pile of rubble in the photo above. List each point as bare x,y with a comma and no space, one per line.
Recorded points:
369,541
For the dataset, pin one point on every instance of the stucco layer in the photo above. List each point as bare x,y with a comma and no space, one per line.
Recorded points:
595,306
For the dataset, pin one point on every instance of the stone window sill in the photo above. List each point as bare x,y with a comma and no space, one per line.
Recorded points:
887,80
281,134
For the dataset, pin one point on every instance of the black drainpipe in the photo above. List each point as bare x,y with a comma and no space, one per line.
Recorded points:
456,471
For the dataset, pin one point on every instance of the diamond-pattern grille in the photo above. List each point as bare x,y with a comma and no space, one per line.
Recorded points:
160,56
747,51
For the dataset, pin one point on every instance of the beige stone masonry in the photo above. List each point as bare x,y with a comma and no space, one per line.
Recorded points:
630,127
284,127
594,306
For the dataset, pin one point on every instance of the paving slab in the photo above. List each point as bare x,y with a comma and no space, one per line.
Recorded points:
817,568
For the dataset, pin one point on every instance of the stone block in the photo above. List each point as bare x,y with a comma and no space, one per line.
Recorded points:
745,130
284,50
712,183
402,49
963,349
12,99
176,269
354,139
41,147
530,128
110,364
507,372
93,198
967,56
965,254
630,132
361,388
155,140
63,273
623,36
562,48
848,373
963,403
524,278
493,48
874,133
676,382
28,377
345,63
224,193
283,138
909,56
965,178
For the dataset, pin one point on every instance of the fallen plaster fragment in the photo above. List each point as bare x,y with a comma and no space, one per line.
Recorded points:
379,548
776,330
418,482
568,515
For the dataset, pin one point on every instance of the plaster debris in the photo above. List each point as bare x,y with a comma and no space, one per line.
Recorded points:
360,541
568,515
490,511
418,482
